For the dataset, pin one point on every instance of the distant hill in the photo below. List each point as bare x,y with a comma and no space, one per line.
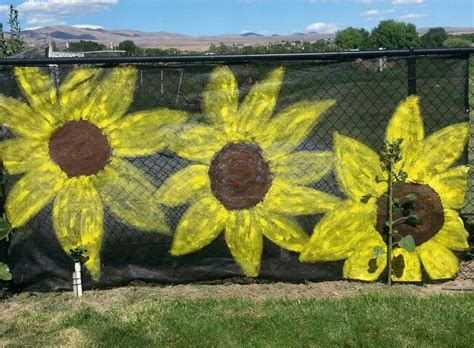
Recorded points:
63,34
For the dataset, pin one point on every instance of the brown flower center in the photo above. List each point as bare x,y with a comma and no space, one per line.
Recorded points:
427,206
79,148
240,176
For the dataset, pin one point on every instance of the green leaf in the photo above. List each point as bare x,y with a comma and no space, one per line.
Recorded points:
5,272
365,198
411,197
413,220
407,243
378,251
5,228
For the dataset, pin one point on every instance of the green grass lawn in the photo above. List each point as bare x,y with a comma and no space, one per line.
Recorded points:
371,319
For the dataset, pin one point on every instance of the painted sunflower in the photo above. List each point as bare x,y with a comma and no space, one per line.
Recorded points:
353,230
247,180
70,142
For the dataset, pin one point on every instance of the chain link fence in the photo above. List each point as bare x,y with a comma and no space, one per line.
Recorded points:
367,89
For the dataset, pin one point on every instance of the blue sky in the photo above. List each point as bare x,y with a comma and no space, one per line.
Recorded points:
213,17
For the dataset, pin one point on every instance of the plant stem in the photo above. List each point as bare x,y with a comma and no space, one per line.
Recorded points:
390,222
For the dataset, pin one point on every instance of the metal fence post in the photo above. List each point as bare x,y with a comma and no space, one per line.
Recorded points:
411,72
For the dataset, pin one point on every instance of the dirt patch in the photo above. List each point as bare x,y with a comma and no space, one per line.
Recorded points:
103,300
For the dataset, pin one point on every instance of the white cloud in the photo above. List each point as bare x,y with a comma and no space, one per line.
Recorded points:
412,16
322,28
5,9
40,13
88,26
406,2
371,14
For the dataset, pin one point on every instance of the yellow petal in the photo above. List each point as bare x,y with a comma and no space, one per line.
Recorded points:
199,226
438,261
451,186
244,239
452,235
341,232
129,195
303,167
288,129
362,264
23,120
39,90
441,150
32,192
357,168
23,155
298,200
406,266
182,186
283,231
145,133
198,142
220,98
111,98
259,103
78,220
407,124
74,92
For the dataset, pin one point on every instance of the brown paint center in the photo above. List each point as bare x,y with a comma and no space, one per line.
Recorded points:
79,148
427,207
240,176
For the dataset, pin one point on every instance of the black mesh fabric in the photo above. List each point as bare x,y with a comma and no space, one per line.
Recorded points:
367,93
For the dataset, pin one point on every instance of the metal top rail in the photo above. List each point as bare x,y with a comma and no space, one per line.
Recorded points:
240,58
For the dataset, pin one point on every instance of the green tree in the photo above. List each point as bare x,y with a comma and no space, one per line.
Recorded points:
85,46
130,48
391,34
452,42
352,38
13,45
434,38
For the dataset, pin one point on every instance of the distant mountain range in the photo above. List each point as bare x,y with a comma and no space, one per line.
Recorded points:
63,34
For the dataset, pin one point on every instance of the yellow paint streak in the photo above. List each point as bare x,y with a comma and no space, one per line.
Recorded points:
32,192
341,232
244,239
259,103
74,93
129,195
452,235
357,168
407,124
440,151
283,231
303,167
362,263
111,98
410,265
23,120
21,155
438,261
199,226
198,142
451,186
145,133
298,200
286,130
78,220
184,185
40,91
220,98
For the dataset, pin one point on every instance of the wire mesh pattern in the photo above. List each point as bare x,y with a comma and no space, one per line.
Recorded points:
366,93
